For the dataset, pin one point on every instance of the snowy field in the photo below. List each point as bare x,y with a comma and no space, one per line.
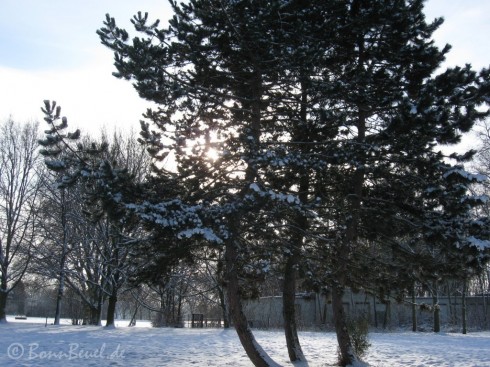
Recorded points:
31,343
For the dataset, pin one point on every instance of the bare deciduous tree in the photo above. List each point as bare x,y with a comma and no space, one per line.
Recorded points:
19,188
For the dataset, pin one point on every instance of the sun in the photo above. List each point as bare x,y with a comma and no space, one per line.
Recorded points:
212,154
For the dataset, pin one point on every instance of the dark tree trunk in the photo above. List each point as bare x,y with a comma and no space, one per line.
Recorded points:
485,304
347,354
111,308
61,285
59,297
463,306
3,305
290,272
437,313
289,310
450,304
98,311
224,307
94,315
132,322
414,310
3,295
254,351
387,316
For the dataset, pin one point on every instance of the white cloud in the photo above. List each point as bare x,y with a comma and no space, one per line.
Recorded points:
466,28
89,96
75,70
51,51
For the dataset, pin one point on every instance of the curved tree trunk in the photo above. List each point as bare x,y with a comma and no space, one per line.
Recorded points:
254,351
347,353
289,310
132,322
346,349
355,193
290,272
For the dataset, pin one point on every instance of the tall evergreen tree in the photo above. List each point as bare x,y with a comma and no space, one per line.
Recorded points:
100,172
328,111
389,110
221,84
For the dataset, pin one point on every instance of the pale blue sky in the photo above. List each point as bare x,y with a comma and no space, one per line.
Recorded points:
60,34
49,50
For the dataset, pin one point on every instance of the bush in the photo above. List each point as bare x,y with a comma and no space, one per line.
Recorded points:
359,333
158,320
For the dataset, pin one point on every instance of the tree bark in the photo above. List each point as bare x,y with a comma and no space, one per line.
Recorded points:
111,309
290,274
450,301
61,289
59,297
437,313
98,312
347,354
224,307
463,307
3,305
485,301
61,285
387,315
289,310
94,315
132,322
414,310
254,351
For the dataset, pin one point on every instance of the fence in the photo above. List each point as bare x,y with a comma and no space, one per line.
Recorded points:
314,310
198,320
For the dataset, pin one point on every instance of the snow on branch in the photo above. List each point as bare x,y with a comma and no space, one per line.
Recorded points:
280,197
480,244
473,177
177,216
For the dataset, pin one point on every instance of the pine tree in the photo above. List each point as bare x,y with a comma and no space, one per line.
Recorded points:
329,112
390,112
100,172
219,74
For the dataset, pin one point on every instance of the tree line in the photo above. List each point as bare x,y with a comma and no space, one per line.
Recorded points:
294,139
60,243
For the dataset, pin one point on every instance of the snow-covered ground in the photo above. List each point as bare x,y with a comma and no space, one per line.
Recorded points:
31,343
